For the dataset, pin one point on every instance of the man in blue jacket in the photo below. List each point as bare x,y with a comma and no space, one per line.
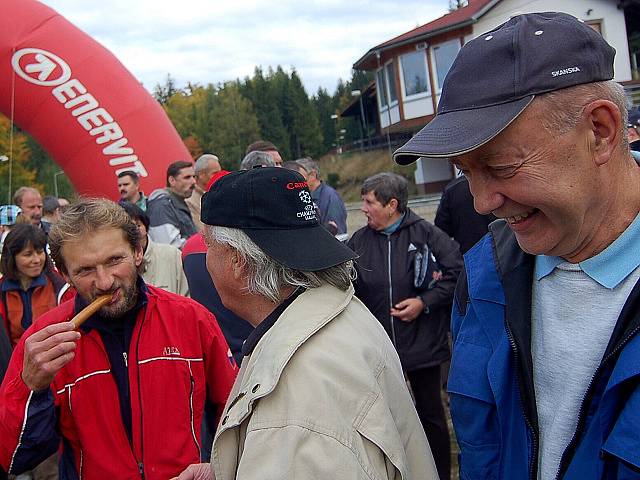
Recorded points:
545,372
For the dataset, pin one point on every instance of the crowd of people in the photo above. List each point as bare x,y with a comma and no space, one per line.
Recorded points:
245,334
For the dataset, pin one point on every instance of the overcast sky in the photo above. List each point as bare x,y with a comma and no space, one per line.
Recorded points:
208,41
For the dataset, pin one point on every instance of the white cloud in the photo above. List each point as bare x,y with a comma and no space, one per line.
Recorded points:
205,41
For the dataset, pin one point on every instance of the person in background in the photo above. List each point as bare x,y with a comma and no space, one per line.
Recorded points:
320,394
125,392
457,217
30,202
169,216
395,281
50,212
129,189
8,218
333,213
253,159
162,264
29,288
633,131
268,147
205,167
545,378
64,203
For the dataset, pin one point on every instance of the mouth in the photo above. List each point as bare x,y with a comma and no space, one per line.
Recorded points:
521,217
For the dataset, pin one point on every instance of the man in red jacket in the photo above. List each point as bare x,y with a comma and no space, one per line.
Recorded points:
126,392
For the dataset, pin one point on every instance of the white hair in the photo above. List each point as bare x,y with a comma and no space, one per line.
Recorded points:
266,276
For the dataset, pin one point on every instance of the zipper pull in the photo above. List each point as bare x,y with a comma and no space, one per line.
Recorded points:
126,363
141,469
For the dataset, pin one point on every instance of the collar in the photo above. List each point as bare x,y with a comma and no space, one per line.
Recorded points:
394,226
254,337
8,284
611,266
100,323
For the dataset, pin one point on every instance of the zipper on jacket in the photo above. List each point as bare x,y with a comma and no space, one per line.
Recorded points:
571,447
533,461
191,413
126,363
140,463
393,330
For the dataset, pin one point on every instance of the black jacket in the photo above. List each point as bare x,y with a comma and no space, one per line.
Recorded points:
457,217
423,342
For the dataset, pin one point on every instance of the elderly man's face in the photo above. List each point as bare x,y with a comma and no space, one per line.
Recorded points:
543,185
220,266
31,206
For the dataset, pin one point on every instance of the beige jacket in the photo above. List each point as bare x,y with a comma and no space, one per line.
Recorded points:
162,268
322,397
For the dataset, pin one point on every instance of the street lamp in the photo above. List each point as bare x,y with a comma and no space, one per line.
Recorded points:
4,158
363,120
335,129
55,182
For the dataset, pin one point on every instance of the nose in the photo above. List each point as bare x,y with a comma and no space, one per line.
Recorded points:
104,279
363,208
486,198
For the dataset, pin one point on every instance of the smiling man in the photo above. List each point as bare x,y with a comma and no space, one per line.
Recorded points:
126,392
545,373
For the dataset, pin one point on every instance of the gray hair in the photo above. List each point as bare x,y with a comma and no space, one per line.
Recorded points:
254,158
309,164
17,197
387,186
202,163
560,110
266,277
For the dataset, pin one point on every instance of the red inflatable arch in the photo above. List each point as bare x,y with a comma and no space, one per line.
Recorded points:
83,106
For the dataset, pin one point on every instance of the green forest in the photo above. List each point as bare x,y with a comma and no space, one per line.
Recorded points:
221,119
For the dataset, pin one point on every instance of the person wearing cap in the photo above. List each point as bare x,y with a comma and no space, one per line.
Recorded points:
8,217
320,393
545,374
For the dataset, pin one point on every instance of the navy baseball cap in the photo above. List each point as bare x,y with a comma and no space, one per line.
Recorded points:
273,206
496,76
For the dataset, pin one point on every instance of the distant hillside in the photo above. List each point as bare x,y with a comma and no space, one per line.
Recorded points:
346,172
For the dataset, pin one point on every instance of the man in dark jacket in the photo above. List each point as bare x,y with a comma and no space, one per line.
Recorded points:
457,217
545,374
395,281
169,215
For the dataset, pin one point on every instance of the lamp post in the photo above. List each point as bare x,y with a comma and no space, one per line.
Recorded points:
55,182
363,120
335,129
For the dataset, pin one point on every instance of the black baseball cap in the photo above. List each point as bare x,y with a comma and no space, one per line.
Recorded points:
496,76
273,206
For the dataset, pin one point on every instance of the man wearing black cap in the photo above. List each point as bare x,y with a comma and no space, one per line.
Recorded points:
545,374
320,393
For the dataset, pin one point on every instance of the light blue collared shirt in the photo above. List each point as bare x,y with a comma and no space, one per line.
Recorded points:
611,266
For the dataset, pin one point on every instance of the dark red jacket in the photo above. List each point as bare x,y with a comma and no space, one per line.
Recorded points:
177,359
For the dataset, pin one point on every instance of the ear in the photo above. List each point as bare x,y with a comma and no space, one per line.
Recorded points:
138,255
604,121
393,203
237,264
171,180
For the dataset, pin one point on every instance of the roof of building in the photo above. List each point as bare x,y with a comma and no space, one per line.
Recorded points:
456,19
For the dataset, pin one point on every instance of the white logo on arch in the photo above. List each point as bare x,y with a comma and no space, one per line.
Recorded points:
39,66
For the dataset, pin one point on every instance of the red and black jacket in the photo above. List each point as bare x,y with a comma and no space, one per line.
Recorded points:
177,360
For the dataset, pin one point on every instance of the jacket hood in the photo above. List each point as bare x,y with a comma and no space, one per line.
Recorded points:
157,193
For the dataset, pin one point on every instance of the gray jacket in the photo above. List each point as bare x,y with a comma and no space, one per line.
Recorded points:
170,218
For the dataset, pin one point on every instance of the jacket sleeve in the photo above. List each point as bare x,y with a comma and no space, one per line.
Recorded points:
27,419
305,453
447,254
443,215
337,212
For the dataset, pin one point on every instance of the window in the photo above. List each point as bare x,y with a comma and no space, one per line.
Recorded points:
414,73
382,88
386,84
390,71
444,55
